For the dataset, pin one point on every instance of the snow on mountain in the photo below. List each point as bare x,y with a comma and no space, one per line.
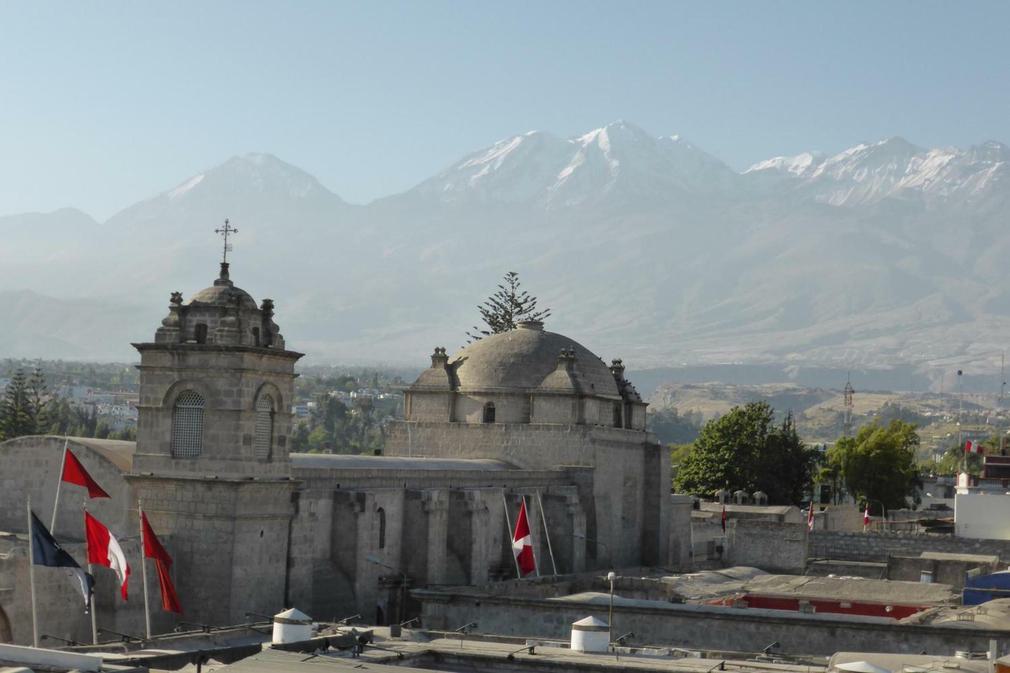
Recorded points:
618,161
800,165
644,246
869,173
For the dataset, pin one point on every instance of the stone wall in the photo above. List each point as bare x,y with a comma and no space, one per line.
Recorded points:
770,546
626,507
703,627
878,546
31,468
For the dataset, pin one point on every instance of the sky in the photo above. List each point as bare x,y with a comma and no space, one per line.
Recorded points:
104,104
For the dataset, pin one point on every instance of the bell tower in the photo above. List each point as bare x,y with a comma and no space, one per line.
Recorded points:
211,465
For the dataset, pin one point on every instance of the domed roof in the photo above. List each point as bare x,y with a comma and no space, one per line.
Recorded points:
224,293
522,358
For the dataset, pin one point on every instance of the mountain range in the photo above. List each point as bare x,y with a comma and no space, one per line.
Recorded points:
644,247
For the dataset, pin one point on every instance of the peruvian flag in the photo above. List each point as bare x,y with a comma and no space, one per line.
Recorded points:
972,447
810,516
104,550
74,473
153,549
866,516
522,543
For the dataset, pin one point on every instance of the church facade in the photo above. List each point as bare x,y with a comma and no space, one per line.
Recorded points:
253,528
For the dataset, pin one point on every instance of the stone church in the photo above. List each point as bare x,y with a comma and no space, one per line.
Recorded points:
254,528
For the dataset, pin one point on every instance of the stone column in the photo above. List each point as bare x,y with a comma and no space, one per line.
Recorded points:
567,522
435,503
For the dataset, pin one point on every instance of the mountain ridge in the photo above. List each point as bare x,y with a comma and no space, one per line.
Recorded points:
647,247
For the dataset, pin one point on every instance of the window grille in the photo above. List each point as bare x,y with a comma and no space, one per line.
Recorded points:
264,434
187,425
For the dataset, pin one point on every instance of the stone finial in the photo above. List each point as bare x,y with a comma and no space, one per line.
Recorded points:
176,298
267,307
439,359
617,369
566,359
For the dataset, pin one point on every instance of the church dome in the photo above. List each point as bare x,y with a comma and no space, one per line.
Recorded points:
224,293
522,358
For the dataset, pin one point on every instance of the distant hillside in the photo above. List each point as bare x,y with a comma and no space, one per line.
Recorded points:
646,248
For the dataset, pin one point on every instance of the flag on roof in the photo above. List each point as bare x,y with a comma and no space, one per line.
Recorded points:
153,549
104,549
522,543
46,551
74,473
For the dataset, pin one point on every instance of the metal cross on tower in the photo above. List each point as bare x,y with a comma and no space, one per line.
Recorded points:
225,232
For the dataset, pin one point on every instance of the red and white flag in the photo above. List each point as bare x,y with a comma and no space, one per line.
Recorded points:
810,516
522,543
866,516
74,473
104,550
153,549
972,447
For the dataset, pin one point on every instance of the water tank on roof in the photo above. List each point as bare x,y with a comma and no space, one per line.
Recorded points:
291,626
590,635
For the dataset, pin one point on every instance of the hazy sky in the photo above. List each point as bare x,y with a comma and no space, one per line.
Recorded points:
105,103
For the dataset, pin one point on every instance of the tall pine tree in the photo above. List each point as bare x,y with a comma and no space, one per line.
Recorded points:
509,305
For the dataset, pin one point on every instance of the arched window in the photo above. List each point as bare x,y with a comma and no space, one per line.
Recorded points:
489,412
187,425
617,415
382,527
200,333
256,336
263,441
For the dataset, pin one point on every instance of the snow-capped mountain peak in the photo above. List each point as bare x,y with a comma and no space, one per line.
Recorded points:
799,165
536,167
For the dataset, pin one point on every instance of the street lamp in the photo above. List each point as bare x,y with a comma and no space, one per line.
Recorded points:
611,577
375,560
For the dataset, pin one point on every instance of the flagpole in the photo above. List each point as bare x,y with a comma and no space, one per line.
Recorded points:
547,533
31,574
536,566
508,524
91,571
143,568
59,483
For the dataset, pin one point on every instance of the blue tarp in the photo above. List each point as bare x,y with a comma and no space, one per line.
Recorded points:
984,588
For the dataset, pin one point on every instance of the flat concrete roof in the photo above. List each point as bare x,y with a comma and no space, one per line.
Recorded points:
330,461
446,653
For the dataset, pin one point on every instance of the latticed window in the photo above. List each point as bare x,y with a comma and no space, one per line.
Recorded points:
187,425
264,434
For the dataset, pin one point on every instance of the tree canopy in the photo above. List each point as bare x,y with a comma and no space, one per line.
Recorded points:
509,305
746,450
878,464
23,408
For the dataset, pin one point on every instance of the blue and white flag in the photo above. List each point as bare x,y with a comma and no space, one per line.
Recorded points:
46,551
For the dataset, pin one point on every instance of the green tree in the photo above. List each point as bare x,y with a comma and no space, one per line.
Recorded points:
745,449
508,306
17,415
878,464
